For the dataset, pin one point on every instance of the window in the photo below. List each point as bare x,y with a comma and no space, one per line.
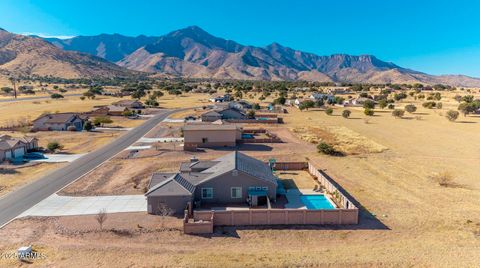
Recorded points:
236,192
207,193
258,188
204,140
265,188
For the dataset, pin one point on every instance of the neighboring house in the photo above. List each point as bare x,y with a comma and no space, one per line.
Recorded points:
131,104
321,96
359,101
240,105
223,114
217,99
16,148
59,122
234,178
337,91
112,110
210,135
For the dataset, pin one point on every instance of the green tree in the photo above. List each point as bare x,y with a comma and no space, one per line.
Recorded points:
53,146
329,111
368,112
306,105
382,104
88,126
369,104
102,120
56,96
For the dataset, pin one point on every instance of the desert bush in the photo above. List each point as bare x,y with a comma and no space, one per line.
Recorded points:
327,149
368,112
346,113
452,115
71,128
56,96
410,108
53,146
391,106
429,104
329,111
369,104
444,179
397,113
88,126
439,105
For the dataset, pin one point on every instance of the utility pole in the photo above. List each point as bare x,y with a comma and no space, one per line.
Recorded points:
13,80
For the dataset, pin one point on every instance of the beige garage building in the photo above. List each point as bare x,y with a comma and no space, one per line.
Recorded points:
210,135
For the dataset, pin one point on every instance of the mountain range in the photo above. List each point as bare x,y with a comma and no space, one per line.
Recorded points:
193,52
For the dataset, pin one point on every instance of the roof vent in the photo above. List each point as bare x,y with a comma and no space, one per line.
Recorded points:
193,159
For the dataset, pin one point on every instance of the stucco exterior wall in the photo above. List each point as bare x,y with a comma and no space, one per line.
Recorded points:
222,188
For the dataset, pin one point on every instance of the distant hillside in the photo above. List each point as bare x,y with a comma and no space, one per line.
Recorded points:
112,47
24,55
192,52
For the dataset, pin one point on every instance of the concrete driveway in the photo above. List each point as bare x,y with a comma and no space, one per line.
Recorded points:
58,158
56,205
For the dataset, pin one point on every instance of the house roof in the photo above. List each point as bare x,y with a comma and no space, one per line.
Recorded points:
127,102
241,162
209,127
194,173
59,118
176,185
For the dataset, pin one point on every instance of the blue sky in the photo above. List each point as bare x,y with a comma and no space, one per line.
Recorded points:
437,37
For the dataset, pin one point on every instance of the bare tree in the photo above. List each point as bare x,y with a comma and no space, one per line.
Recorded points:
101,217
164,211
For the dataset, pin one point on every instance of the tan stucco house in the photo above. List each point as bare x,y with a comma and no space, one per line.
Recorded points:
234,178
210,135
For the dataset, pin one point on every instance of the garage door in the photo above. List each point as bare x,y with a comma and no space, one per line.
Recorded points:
19,153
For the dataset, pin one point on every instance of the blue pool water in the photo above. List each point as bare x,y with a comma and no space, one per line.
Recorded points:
316,202
247,136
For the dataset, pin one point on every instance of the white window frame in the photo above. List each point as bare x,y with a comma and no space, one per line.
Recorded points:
265,188
239,189
207,197
258,188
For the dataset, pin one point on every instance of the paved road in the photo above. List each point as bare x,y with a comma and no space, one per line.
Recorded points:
15,203
37,98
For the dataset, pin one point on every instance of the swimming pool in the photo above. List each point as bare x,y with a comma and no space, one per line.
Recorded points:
247,136
316,202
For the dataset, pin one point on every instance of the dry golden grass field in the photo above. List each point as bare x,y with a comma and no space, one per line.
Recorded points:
408,218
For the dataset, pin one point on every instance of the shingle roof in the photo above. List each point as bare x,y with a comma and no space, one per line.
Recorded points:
58,118
176,185
184,182
189,127
241,162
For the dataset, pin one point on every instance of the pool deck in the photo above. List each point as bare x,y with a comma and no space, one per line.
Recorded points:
293,197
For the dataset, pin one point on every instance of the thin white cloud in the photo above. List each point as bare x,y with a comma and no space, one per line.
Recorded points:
48,35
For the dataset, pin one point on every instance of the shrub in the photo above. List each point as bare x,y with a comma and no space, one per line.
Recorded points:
398,113
53,146
369,104
56,96
439,105
429,104
410,108
452,115
329,111
101,120
71,128
346,113
88,126
382,104
391,106
368,112
327,149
